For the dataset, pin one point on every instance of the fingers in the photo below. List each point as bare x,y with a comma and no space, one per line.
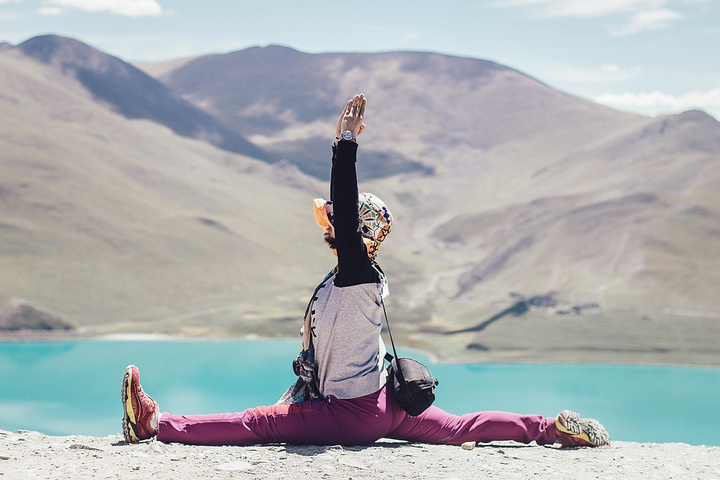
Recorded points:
352,115
358,105
345,111
347,107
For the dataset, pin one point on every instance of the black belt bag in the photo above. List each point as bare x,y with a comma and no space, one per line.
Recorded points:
412,383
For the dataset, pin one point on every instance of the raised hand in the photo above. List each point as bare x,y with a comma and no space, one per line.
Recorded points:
352,116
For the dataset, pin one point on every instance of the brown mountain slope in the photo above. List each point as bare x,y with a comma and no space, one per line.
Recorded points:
424,106
587,223
508,197
132,93
107,220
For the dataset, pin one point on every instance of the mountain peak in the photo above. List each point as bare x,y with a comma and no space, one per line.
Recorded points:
5,46
276,48
61,51
696,116
271,53
131,92
692,122
51,41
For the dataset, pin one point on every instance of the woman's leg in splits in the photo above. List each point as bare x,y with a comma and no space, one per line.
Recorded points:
437,426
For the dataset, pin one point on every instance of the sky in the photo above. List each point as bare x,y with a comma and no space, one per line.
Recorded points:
652,57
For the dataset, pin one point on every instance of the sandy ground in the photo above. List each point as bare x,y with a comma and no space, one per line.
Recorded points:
26,454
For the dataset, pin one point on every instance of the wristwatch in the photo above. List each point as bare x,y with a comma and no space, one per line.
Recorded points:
348,135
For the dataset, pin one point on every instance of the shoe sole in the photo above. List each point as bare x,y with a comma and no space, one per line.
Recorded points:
571,424
128,422
595,434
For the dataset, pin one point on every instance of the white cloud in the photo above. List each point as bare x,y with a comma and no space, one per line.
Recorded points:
647,20
635,16
50,11
658,103
130,8
8,1
585,8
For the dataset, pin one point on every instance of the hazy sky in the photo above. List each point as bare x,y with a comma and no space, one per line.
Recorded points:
647,56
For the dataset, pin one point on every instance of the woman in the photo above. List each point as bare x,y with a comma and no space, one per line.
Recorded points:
341,396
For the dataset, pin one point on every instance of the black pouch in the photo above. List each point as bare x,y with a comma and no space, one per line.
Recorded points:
411,381
413,385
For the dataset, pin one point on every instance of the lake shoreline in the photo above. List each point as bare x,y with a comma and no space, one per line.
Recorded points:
26,453
34,337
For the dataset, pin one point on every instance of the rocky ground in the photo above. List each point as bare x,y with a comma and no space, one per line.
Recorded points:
26,454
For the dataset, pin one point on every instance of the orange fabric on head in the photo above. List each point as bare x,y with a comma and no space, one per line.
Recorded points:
320,210
321,215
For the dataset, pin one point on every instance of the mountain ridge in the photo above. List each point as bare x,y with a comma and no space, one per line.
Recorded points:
105,220
241,94
131,92
501,187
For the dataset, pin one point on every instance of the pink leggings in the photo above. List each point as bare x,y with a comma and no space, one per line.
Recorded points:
357,421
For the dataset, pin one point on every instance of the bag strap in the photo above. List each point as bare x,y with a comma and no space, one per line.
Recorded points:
387,323
399,373
389,357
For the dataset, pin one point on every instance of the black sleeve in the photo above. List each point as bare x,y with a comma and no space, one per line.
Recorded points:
354,265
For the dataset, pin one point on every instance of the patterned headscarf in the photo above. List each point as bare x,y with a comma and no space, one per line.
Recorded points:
375,219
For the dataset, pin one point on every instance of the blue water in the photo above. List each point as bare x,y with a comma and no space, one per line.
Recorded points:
65,388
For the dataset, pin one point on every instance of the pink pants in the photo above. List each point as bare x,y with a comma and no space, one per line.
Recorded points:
357,421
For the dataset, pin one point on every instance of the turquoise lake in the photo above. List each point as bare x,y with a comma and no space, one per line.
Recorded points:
67,388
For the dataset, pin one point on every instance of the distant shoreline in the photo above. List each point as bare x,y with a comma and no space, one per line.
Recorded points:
405,350
166,337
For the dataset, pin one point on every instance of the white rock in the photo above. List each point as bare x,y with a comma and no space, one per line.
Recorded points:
234,467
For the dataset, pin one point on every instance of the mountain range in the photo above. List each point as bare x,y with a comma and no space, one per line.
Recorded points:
175,196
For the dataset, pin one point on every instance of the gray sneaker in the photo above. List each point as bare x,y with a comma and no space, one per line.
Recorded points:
573,431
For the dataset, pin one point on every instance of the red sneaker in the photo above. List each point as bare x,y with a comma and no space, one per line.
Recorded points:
139,408
573,431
